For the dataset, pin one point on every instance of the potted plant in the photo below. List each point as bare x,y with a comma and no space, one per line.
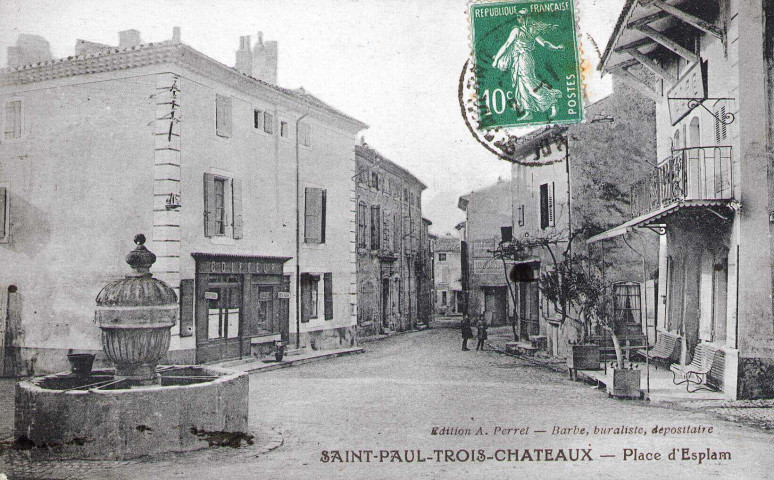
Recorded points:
81,363
623,381
574,290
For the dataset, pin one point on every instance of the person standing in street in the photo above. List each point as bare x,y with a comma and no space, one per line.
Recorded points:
481,334
467,333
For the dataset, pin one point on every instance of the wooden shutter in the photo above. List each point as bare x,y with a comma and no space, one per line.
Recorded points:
323,207
328,294
551,206
544,206
186,307
223,116
3,218
209,205
312,217
306,297
236,205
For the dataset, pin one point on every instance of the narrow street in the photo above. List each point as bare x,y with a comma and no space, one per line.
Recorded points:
392,396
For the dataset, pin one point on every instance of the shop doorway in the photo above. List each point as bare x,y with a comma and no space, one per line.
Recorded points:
495,303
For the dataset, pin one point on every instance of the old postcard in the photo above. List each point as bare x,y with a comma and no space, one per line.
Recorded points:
386,239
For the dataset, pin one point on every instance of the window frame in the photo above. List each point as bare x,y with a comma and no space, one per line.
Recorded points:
268,122
310,297
4,120
442,260
304,134
5,212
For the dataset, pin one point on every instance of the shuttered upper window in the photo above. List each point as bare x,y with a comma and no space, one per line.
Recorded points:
222,206
12,124
314,215
223,116
376,222
304,134
4,214
547,207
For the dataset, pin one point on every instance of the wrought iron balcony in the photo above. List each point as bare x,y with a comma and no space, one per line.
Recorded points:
696,173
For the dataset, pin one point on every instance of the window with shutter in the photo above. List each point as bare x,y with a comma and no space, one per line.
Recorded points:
268,122
521,215
258,119
13,120
314,215
375,224
236,205
328,295
222,116
209,205
361,224
544,206
4,222
551,206
304,134
309,300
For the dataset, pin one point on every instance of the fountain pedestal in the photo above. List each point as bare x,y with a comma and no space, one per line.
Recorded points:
137,409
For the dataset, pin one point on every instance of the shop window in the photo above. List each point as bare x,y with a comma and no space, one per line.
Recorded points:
223,116
314,215
222,206
328,295
13,120
224,306
627,311
268,122
375,224
305,134
309,296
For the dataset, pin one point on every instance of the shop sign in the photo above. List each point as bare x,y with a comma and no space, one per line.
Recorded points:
240,266
210,295
689,91
283,295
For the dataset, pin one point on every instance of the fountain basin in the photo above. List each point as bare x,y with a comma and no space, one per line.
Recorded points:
104,416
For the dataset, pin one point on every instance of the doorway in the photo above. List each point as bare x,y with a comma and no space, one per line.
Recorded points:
495,303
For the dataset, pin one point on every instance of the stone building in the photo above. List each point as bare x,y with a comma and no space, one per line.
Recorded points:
220,169
487,210
578,182
391,243
449,298
708,198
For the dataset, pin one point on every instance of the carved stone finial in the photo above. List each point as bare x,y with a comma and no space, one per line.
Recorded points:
141,259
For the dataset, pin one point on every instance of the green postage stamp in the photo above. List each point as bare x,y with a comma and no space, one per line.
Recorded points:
527,65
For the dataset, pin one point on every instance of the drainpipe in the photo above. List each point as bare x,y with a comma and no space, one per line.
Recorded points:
298,232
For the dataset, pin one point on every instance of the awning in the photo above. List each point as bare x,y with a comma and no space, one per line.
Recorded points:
654,216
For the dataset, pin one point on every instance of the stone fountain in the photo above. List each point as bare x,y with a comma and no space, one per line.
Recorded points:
138,408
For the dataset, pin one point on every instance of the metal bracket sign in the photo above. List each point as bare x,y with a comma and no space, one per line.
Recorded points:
689,91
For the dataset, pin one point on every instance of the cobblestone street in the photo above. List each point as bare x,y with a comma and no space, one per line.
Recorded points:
395,394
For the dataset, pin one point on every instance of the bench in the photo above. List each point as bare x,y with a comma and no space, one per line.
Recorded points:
666,348
698,372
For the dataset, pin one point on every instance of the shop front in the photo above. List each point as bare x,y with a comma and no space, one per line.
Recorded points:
242,305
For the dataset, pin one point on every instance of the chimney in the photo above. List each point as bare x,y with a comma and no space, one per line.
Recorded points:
129,38
244,57
29,49
176,34
265,60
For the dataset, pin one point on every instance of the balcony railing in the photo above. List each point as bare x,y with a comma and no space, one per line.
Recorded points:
696,173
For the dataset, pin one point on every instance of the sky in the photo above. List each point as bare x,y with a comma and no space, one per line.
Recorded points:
394,64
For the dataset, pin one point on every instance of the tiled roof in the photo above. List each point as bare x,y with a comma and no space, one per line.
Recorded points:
447,244
153,53
374,155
